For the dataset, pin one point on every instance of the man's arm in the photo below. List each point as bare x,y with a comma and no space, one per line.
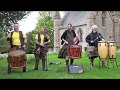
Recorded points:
25,40
8,37
101,37
63,37
88,39
48,38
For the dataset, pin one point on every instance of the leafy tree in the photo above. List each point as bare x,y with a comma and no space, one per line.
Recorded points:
6,19
9,17
46,21
30,43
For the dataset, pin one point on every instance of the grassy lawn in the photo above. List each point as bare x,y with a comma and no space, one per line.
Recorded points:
59,71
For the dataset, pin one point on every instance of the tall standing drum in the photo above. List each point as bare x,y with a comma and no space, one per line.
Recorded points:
103,50
16,59
112,49
74,51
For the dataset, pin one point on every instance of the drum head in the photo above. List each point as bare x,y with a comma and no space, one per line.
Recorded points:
102,42
75,46
16,53
111,41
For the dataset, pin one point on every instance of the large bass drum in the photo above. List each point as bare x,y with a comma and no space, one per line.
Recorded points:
16,59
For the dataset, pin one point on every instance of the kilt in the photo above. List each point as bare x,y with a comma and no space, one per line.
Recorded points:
63,51
40,53
92,53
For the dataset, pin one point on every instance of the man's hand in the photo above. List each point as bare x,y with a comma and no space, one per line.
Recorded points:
91,41
42,45
24,47
66,42
45,43
103,39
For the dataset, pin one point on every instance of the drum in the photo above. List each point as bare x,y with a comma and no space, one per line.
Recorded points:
16,59
74,51
91,51
111,49
103,50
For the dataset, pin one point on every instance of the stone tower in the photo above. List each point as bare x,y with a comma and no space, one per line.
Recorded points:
91,19
56,32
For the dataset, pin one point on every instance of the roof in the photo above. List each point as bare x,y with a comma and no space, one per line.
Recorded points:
75,18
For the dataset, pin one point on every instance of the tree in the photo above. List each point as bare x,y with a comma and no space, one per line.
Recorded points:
9,17
6,19
46,21
30,42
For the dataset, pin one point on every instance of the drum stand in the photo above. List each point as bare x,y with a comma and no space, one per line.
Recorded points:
113,61
102,62
46,68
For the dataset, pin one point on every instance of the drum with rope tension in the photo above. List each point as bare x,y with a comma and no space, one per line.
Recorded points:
16,59
74,51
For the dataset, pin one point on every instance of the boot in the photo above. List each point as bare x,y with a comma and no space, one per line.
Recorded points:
43,65
71,61
36,64
67,63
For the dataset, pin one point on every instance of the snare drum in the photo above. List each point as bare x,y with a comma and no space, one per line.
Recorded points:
74,51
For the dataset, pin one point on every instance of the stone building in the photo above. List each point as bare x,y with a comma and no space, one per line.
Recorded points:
107,22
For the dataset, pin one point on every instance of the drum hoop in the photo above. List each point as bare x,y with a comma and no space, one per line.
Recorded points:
17,55
74,46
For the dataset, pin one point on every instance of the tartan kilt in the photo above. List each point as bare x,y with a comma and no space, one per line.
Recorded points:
92,54
63,51
41,53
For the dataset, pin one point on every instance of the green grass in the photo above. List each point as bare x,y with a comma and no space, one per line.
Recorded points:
59,71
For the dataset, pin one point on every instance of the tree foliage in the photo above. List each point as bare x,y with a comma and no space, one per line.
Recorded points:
9,17
6,19
30,42
46,21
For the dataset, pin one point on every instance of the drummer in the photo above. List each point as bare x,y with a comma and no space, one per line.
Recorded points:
17,38
67,38
92,40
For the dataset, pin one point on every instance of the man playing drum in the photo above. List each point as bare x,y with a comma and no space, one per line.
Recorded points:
67,39
17,52
17,38
92,39
42,40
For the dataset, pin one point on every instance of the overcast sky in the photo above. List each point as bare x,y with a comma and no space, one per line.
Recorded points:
28,24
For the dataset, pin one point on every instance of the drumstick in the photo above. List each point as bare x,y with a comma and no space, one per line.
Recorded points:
95,39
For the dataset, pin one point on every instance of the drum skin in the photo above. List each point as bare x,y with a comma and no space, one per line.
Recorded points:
74,51
112,49
103,50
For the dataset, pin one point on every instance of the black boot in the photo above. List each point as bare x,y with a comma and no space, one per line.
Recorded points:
36,64
43,65
71,61
67,63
